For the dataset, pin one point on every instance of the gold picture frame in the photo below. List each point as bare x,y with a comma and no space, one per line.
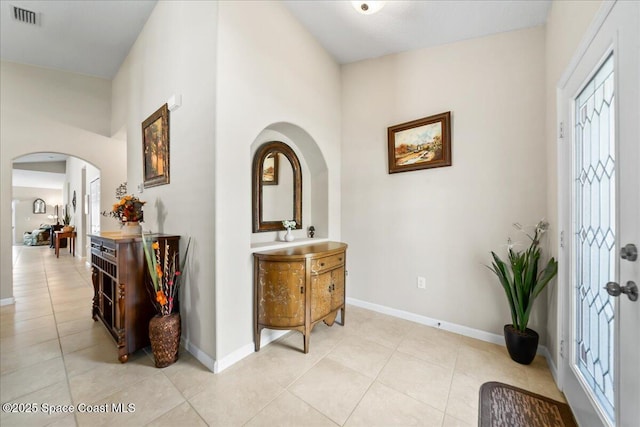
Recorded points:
155,148
420,144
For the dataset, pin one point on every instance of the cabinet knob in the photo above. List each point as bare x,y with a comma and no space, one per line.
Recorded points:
322,264
340,259
302,289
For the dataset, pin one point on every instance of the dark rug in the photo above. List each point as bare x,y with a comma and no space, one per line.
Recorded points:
508,406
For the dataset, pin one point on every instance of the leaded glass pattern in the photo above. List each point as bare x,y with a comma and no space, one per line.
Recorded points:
595,169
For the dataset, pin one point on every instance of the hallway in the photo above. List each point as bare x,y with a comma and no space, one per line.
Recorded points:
377,370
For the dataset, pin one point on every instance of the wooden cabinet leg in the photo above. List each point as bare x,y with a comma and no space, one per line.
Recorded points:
305,339
123,358
256,338
342,316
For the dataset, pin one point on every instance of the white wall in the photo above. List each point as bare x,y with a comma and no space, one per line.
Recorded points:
79,175
442,223
176,54
44,110
566,25
270,70
26,220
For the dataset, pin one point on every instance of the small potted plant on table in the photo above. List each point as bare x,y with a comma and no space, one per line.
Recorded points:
66,221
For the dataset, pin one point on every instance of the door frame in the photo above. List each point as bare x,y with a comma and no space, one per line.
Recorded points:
564,176
563,152
566,203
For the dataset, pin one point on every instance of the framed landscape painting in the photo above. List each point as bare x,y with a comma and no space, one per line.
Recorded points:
270,170
420,144
155,148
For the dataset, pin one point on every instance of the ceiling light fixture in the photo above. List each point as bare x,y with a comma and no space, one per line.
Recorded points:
368,7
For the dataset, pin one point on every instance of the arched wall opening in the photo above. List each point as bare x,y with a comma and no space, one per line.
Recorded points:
107,155
66,180
315,179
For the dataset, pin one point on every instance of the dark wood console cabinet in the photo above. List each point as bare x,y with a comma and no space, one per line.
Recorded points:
295,288
121,300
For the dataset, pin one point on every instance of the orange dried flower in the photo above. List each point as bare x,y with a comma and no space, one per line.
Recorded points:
158,270
161,298
155,245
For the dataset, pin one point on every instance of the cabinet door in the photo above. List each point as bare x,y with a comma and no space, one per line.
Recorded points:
281,293
320,296
107,289
337,287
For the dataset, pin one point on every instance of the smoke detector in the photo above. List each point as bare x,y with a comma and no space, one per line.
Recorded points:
25,16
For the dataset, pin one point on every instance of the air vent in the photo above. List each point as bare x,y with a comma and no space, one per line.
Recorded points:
26,16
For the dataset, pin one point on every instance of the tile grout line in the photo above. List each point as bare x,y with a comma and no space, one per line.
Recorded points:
62,356
395,349
286,389
453,374
444,413
185,400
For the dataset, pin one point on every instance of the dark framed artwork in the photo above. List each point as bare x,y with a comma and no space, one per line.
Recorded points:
270,170
155,148
420,144
39,206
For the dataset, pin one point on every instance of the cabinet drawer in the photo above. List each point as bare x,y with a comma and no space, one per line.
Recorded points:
327,263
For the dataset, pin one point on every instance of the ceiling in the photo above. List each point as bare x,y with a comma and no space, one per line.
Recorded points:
88,37
94,36
406,25
41,157
37,179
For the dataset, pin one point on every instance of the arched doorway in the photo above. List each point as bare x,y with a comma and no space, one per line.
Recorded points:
67,187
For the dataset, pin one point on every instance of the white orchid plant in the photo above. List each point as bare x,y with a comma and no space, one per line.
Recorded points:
521,279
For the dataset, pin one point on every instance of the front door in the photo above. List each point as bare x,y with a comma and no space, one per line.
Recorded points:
600,217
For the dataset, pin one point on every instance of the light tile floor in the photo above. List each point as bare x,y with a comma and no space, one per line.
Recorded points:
375,371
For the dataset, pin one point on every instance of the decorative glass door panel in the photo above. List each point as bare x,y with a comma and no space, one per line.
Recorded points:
595,236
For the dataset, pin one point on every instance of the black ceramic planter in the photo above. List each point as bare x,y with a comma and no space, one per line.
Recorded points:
522,346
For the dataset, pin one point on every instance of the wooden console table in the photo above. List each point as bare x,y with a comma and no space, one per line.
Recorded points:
121,300
295,288
71,235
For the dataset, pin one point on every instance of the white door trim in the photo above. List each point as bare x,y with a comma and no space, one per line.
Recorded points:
562,151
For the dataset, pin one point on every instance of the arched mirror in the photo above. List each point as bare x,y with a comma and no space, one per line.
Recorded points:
39,206
277,187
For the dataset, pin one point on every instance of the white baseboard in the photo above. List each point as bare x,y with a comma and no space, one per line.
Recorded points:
217,366
268,336
424,320
544,351
7,301
447,326
200,355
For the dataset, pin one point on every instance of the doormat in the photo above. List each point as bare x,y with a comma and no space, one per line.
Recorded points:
508,406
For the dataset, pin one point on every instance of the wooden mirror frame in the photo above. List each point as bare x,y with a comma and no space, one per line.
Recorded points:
258,159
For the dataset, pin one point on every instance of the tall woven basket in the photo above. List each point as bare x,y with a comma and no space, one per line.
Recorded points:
164,334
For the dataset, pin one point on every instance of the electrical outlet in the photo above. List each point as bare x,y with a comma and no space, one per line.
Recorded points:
422,282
